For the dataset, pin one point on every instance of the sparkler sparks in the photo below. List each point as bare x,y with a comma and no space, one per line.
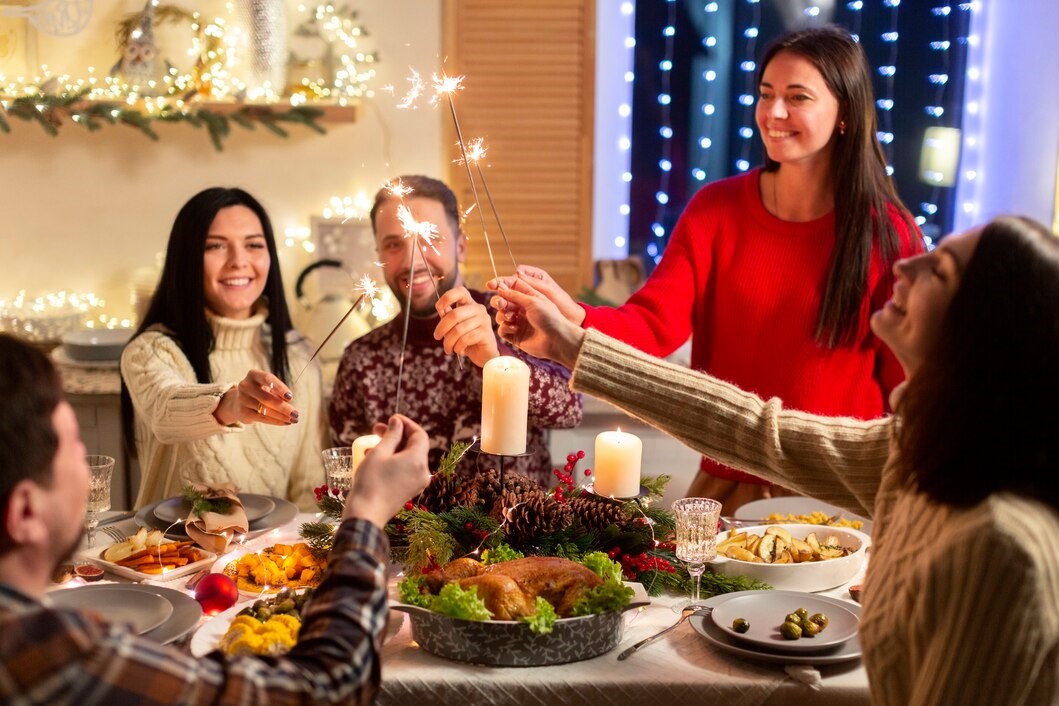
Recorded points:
444,85
410,98
368,289
424,231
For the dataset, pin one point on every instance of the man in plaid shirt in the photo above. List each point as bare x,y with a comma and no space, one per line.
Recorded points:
51,656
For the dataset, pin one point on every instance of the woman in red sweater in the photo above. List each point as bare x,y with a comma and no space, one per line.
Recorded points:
775,272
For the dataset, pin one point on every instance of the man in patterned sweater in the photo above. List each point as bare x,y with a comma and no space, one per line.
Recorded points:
442,395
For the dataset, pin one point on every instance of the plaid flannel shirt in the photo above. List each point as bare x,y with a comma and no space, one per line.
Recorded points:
55,657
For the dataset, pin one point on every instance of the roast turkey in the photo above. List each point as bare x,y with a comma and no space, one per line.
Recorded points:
510,588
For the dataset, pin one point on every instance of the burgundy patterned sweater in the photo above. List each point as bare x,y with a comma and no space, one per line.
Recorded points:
445,399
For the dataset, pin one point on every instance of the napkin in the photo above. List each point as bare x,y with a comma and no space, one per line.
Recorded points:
806,674
214,531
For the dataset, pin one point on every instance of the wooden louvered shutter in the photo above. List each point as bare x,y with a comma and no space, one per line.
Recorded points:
529,72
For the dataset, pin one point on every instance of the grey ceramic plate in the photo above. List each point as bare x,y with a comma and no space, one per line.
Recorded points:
765,611
175,509
284,512
723,640
116,603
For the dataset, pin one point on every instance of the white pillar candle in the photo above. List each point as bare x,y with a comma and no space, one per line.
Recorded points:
361,446
617,468
505,406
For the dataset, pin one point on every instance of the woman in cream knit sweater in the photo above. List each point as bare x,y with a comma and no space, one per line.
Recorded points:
208,388
961,597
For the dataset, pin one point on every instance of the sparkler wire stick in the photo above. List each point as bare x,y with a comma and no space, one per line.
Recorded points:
407,317
433,281
328,337
496,214
470,177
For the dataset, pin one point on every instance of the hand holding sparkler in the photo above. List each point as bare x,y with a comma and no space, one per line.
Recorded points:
465,327
535,322
543,284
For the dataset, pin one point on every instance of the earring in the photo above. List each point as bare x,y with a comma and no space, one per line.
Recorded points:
841,127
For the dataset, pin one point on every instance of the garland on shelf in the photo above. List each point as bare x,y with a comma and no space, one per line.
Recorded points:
478,515
51,111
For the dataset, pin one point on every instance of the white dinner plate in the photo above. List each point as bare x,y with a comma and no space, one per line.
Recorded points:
177,509
95,555
208,636
284,512
116,603
766,610
756,511
725,641
60,356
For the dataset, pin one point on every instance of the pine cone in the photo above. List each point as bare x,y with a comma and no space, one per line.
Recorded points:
536,515
597,514
488,487
447,492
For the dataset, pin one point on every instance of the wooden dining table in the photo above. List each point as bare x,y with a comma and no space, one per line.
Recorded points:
681,667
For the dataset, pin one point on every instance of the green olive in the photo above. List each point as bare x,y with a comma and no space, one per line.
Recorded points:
792,618
286,606
802,614
740,625
810,629
820,619
263,615
790,630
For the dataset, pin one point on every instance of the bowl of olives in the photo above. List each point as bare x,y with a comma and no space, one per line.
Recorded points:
792,557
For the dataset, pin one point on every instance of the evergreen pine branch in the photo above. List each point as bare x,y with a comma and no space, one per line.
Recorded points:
320,536
656,485
452,457
331,506
201,504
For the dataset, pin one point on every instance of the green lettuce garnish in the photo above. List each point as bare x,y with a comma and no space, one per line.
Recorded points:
541,622
413,591
606,597
502,552
459,603
605,567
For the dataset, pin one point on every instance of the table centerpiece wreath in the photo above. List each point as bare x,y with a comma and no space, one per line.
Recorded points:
469,514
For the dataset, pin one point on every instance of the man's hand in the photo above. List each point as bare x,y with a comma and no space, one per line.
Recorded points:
391,473
465,327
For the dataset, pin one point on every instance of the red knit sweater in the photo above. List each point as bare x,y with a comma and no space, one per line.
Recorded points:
748,286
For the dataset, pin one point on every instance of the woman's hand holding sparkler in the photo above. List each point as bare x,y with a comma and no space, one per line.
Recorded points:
465,327
543,283
260,397
532,319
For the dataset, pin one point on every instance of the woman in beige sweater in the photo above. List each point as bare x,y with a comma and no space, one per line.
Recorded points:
961,597
208,380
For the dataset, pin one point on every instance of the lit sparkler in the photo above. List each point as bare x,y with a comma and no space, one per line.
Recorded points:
410,98
475,153
368,290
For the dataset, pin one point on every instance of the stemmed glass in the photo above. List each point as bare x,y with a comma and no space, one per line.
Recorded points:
696,539
101,469
338,467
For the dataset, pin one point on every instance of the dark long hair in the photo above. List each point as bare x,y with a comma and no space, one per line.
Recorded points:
863,191
179,302
982,412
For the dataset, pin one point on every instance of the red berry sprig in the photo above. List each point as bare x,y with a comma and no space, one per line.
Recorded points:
566,476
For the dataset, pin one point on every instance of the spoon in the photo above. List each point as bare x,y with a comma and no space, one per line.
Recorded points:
686,613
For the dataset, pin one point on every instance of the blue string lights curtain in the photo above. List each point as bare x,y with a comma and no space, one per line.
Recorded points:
694,91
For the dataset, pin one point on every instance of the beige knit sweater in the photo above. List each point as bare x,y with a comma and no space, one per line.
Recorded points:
959,606
178,438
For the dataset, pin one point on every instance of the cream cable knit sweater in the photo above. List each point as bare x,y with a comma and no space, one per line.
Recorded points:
178,438
959,606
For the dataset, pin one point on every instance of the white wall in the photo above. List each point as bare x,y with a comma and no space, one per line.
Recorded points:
1019,137
82,211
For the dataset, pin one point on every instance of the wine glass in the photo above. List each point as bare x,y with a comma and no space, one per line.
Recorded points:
101,469
338,467
696,539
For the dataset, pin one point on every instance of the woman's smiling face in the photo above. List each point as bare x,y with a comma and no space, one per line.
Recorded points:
235,263
924,286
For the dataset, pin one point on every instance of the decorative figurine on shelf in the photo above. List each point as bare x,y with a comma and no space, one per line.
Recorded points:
136,67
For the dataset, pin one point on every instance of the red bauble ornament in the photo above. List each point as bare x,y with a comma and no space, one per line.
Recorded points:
215,593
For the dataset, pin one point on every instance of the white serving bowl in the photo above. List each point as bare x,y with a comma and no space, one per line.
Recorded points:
96,344
809,576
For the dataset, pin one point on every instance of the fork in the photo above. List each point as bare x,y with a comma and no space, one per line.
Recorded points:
684,615
113,532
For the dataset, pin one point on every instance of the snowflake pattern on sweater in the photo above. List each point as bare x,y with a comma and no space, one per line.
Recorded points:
443,397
